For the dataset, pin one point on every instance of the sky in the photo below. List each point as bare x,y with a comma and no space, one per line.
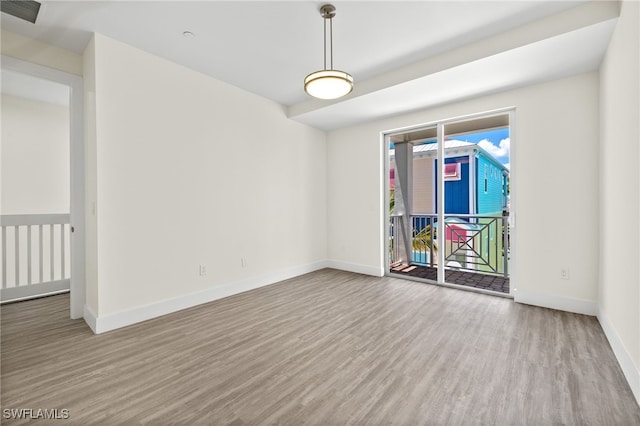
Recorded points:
495,142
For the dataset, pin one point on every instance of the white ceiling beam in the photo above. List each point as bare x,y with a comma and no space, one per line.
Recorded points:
581,16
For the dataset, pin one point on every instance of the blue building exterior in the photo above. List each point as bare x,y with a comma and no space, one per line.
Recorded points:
479,184
491,185
456,192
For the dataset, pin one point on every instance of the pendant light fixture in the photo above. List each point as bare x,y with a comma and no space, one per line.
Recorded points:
328,83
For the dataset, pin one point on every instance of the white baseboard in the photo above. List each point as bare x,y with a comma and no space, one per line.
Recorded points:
101,324
25,292
90,318
355,267
561,303
627,365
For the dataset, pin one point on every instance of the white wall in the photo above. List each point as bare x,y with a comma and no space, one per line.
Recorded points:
190,171
34,157
555,180
620,193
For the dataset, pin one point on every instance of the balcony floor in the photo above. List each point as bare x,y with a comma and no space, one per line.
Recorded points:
468,279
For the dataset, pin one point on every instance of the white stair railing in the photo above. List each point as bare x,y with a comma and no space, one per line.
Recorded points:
35,255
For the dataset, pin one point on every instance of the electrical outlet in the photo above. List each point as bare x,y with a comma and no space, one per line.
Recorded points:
203,270
564,274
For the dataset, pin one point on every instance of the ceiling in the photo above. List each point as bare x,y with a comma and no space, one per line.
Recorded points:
402,55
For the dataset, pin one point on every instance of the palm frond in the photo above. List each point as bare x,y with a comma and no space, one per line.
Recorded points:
422,240
392,201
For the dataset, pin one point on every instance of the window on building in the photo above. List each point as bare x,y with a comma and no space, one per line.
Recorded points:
486,181
452,171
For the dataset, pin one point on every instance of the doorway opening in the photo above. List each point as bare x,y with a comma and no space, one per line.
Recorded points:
449,191
42,217
35,187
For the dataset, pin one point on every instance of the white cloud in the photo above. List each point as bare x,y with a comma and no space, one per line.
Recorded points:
501,151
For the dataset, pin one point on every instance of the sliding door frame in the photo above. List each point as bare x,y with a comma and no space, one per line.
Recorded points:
440,126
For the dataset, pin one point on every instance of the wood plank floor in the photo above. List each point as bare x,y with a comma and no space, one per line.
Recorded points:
329,347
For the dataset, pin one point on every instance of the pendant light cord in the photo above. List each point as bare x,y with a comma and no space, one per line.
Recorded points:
331,39
325,42
330,43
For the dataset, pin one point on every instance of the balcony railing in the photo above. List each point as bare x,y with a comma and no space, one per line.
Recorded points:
35,255
474,243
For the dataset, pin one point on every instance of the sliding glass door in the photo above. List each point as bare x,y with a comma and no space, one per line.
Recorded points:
449,202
